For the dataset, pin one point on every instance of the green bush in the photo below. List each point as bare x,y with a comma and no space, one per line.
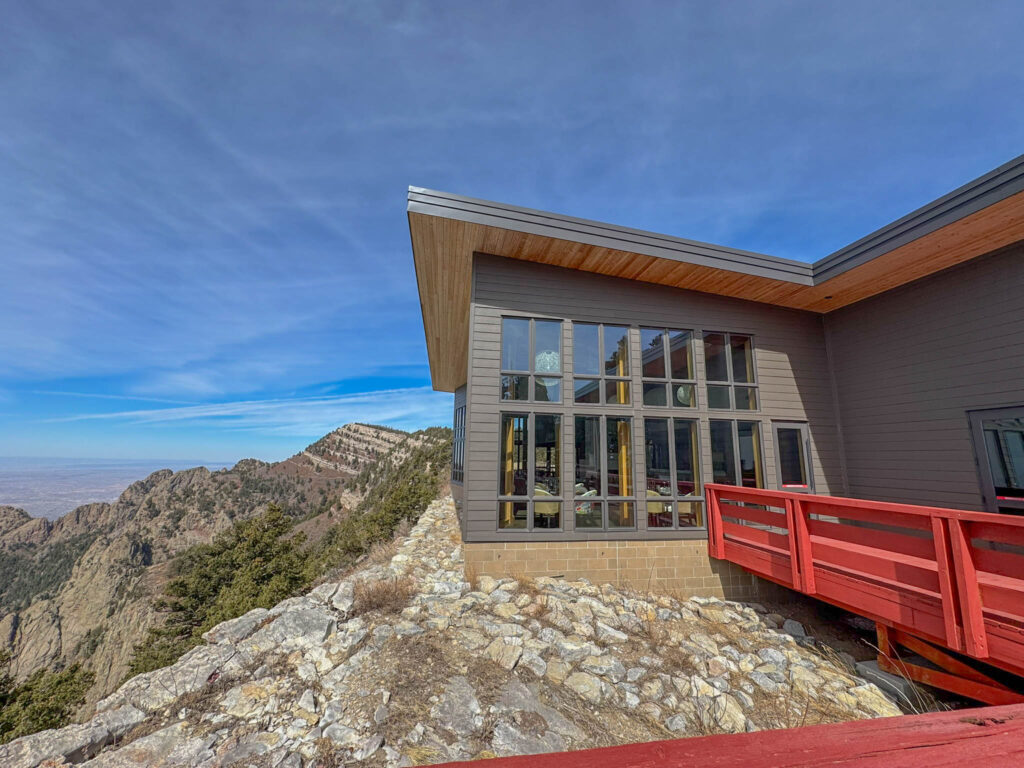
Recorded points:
47,699
254,565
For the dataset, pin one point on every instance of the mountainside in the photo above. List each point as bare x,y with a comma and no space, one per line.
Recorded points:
83,588
410,660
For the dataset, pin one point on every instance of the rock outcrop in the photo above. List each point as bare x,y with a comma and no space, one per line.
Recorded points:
410,662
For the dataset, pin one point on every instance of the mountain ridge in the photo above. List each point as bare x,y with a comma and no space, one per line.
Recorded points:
84,584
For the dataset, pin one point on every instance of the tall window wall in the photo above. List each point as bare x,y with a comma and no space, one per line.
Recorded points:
621,404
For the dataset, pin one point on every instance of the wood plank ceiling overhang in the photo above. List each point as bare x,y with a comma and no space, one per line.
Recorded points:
446,230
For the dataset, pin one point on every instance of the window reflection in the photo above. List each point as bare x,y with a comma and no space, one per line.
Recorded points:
515,344
514,442
586,359
616,350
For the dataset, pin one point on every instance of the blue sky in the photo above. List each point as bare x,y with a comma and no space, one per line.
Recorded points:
203,244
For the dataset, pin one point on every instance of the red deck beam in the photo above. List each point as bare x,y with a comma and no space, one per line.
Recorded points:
992,737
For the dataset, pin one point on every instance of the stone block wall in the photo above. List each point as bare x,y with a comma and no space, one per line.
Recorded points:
677,567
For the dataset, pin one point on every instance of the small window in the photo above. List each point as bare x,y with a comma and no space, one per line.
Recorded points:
459,445
736,453
674,497
667,368
601,365
603,473
729,370
531,360
999,448
530,471
792,456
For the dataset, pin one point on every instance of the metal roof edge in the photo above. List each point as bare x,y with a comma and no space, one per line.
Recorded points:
601,234
988,189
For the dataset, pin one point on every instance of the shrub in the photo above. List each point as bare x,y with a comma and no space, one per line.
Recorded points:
45,700
254,565
387,596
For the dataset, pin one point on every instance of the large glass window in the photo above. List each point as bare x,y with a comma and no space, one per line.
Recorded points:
531,359
530,471
736,457
603,473
459,445
667,368
729,370
673,476
999,445
601,368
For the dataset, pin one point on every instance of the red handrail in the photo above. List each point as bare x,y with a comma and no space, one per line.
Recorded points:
953,577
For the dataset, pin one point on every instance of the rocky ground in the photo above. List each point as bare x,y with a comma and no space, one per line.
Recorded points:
407,662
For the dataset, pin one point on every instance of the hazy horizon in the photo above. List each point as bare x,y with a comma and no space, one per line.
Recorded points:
51,487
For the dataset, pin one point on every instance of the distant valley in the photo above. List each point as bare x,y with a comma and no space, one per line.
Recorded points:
52,487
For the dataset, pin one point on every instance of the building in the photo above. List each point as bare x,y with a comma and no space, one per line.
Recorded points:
604,375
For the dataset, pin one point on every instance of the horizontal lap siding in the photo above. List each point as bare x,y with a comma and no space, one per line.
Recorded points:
792,372
911,363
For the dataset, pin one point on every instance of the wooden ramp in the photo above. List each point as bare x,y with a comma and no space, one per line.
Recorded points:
991,737
934,580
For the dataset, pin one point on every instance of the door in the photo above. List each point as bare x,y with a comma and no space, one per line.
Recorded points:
999,450
793,456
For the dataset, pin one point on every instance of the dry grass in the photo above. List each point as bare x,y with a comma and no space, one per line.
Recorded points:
328,755
793,708
428,662
422,755
386,596
921,699
472,576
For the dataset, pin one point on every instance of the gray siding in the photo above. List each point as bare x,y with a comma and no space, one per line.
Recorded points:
908,366
790,354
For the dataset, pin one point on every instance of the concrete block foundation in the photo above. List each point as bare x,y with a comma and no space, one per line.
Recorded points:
677,567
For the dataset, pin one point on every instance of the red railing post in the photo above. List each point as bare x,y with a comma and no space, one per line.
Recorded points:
794,545
947,587
803,548
716,539
975,636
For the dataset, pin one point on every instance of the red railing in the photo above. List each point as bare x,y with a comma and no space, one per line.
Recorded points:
951,577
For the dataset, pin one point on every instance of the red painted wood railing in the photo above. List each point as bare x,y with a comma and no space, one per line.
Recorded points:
951,577
992,737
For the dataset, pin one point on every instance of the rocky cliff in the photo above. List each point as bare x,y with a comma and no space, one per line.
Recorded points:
407,662
81,588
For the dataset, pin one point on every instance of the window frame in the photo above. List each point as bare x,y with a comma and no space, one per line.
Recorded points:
990,499
602,377
805,435
731,383
735,432
668,380
459,446
603,498
530,498
675,497
533,374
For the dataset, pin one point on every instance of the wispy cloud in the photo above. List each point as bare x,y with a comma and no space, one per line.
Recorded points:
412,408
100,396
